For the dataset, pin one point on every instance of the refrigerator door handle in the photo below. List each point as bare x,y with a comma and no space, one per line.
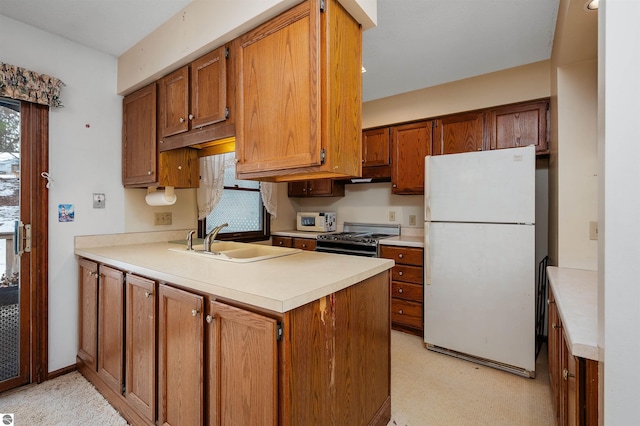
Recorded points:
427,254
427,189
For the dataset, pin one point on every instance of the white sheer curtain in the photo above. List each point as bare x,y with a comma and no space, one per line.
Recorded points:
209,192
269,193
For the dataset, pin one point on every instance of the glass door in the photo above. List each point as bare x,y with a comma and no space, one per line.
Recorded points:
14,318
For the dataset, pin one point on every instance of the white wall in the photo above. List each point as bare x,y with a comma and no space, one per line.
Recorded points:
619,181
84,157
577,186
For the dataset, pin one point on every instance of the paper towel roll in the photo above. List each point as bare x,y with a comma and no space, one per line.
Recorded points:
160,198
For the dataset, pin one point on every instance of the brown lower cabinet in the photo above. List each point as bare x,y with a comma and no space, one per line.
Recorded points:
220,362
573,380
295,242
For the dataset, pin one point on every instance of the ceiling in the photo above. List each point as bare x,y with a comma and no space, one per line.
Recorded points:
416,44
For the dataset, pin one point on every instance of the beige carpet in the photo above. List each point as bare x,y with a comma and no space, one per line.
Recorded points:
427,389
66,400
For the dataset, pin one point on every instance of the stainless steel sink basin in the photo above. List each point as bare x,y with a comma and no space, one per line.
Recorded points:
231,251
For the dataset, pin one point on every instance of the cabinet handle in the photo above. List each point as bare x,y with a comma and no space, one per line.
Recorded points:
195,312
566,374
304,245
147,294
191,117
149,172
91,274
400,273
279,243
400,312
210,318
394,185
400,256
400,290
549,301
556,325
182,119
179,167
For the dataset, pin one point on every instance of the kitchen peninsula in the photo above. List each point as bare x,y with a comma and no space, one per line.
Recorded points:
297,339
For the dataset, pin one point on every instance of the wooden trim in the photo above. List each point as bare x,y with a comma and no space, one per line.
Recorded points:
62,371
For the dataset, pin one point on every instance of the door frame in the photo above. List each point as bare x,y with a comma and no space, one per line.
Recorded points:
35,138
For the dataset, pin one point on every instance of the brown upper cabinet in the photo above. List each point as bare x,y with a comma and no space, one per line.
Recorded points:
458,133
316,188
410,144
516,125
142,164
195,101
376,153
299,93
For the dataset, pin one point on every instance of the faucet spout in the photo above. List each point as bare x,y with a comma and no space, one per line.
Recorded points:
211,236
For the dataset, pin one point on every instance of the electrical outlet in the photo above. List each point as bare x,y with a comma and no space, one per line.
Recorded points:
593,230
163,218
412,220
392,216
98,201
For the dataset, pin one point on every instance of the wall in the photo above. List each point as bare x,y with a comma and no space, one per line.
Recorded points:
577,198
82,160
498,88
619,180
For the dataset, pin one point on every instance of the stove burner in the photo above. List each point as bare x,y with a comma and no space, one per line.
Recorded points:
358,239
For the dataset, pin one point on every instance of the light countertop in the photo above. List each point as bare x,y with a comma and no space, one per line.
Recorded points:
279,284
576,295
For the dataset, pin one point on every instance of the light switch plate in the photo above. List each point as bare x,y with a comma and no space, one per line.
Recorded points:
98,201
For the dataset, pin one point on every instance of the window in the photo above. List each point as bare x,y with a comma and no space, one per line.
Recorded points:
240,206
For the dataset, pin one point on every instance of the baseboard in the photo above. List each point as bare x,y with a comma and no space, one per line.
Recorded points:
61,372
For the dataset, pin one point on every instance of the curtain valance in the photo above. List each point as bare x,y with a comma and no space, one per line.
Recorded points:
25,85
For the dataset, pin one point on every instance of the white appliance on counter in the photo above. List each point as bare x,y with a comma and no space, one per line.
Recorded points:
479,298
316,221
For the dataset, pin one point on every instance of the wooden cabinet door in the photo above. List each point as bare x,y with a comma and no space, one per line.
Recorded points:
242,367
111,328
555,355
209,89
459,133
140,365
297,188
88,313
324,188
139,146
279,97
376,153
411,143
180,357
282,241
519,125
173,101
179,168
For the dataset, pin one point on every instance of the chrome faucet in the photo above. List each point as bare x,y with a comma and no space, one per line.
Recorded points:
190,240
211,236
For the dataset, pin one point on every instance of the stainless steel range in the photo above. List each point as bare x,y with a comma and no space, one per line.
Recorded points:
359,239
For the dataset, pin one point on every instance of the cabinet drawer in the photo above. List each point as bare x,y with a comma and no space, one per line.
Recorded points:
406,313
304,243
403,255
407,291
282,241
411,274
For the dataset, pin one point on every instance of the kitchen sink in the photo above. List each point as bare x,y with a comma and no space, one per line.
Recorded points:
238,252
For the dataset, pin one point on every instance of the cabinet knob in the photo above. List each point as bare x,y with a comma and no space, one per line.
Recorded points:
400,256
554,325
210,318
566,374
400,290
279,243
400,273
304,245
400,311
161,140
92,274
147,294
191,117
179,167
394,185
195,312
149,172
182,119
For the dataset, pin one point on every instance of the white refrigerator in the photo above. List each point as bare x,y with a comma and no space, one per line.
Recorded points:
479,292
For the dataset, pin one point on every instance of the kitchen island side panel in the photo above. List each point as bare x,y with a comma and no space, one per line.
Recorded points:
339,357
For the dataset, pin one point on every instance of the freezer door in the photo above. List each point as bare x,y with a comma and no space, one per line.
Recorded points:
488,186
479,296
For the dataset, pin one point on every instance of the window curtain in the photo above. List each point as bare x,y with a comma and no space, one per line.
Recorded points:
269,193
209,192
25,85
